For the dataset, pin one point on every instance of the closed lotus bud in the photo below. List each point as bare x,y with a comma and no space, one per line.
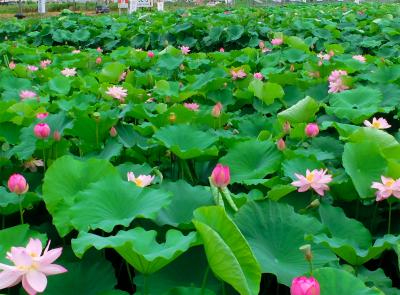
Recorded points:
312,130
98,60
217,109
17,184
172,118
41,130
113,132
286,127
222,49
150,54
220,176
281,144
56,135
305,286
306,249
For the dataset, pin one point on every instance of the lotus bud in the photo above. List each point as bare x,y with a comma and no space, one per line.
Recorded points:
305,286
56,135
312,130
281,144
113,132
98,60
286,127
220,176
41,130
150,54
17,184
217,109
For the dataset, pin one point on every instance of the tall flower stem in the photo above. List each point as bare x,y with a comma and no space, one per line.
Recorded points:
390,217
21,212
128,269
205,277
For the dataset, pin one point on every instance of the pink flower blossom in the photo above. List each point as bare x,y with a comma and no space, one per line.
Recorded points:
41,130
305,286
217,110
281,145
185,50
117,92
30,266
32,68
360,58
388,187
336,74
45,63
311,129
99,60
261,44
222,49
99,50
27,94
258,76
150,54
316,179
17,184
69,72
238,74
113,132
379,123
12,65
141,180
277,41
221,176
266,49
336,83
42,116
76,51
33,164
191,106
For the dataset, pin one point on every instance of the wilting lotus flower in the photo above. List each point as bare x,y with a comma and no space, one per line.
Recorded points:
113,132
360,58
30,266
32,68
191,106
380,123
221,176
17,184
277,41
185,50
305,286
76,51
312,129
150,54
45,63
258,76
33,164
388,187
316,179
238,74
41,130
336,83
27,94
281,144
12,65
69,72
141,180
99,60
117,92
42,116
217,109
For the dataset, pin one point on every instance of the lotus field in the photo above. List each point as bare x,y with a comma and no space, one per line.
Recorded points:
202,152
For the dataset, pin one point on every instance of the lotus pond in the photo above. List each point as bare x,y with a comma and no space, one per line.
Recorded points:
202,152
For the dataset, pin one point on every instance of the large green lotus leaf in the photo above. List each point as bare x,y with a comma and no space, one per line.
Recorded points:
180,272
185,199
267,92
228,253
190,291
111,72
27,145
297,43
169,62
139,247
384,75
60,85
302,111
299,164
65,178
92,275
355,105
252,159
9,202
349,239
113,201
378,279
334,281
275,233
186,141
16,236
364,163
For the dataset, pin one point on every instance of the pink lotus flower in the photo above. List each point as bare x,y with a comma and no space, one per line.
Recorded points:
122,77
42,116
113,132
238,74
336,83
185,50
76,51
117,92
45,63
305,286
69,72
336,74
30,266
141,180
222,49
191,106
41,130
258,76
12,65
277,41
360,58
266,49
150,54
388,187
27,94
261,44
316,179
32,68
221,176
17,184
281,144
217,110
33,164
99,60
379,123
311,130
324,56
99,50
